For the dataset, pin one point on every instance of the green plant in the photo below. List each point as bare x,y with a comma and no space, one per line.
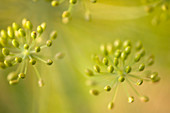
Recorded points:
22,45
121,64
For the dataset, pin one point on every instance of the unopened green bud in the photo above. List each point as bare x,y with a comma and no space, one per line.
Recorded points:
73,1
104,49
24,22
137,57
12,82
15,26
115,61
144,99
110,106
21,32
7,63
49,43
89,72
40,83
126,43
105,61
26,46
142,52
123,55
54,3
110,68
3,41
128,69
139,45
117,43
43,25
117,53
96,68
130,99
33,35
53,35
18,59
94,92
5,51
107,88
21,75
40,29
12,76
154,75
164,7
15,43
149,9
3,33
37,49
10,32
49,62
66,14
109,48
32,61
141,67
28,25
139,82
121,78
128,50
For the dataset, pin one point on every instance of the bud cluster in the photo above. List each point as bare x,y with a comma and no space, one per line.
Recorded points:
121,63
20,46
66,15
162,7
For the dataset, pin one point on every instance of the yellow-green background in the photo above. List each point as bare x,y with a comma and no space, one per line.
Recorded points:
65,90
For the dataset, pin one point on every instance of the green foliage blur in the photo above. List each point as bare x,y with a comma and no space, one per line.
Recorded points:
65,90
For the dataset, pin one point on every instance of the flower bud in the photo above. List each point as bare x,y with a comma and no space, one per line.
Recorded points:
12,82
139,45
5,51
110,68
73,1
54,3
110,106
128,50
53,35
66,14
144,99
10,32
89,72
115,62
18,59
126,43
32,61
141,67
33,35
21,32
15,26
39,29
121,79
15,43
117,44
49,43
104,49
26,46
7,63
128,69
12,76
28,25
21,75
41,83
96,68
123,56
130,99
107,88
37,49
117,53
49,62
139,82
94,92
105,61
3,33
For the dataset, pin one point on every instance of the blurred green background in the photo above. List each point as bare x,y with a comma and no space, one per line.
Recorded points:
65,90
